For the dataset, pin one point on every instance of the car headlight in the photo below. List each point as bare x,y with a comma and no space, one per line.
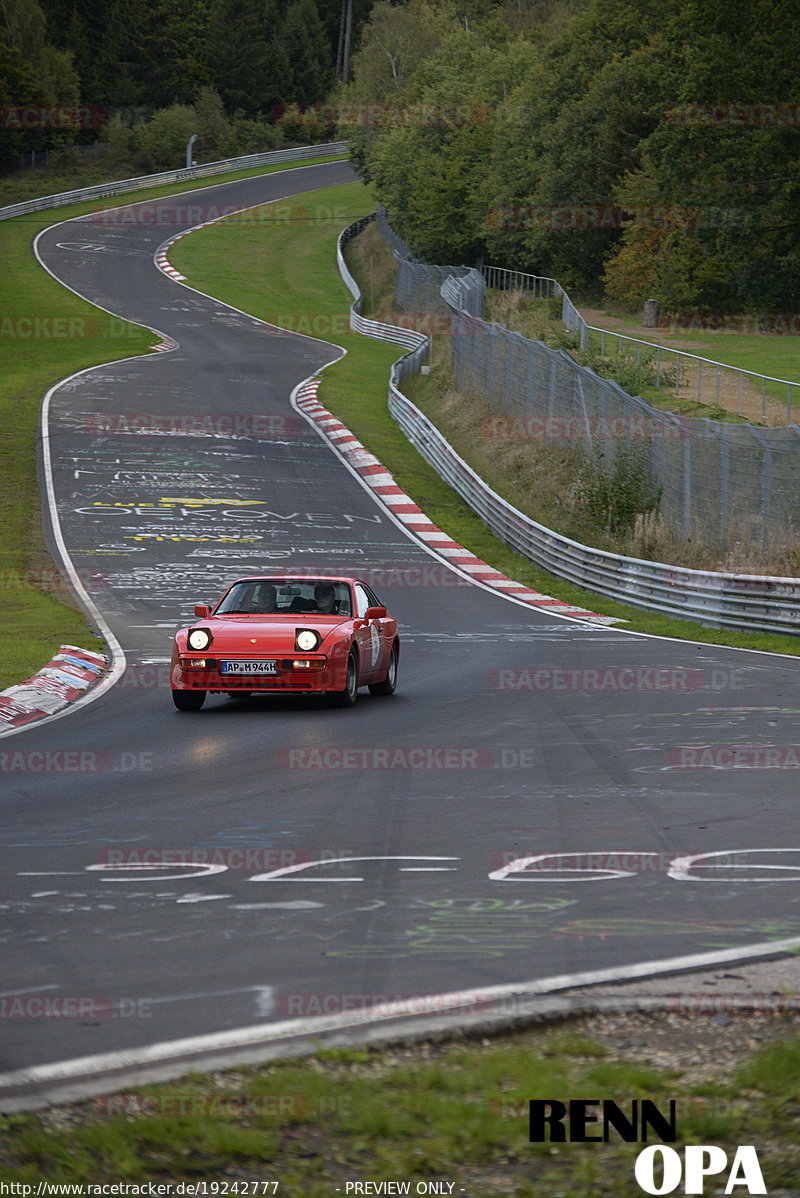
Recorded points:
307,640
199,638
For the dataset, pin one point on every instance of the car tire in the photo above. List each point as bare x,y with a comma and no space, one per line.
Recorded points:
389,683
348,696
188,700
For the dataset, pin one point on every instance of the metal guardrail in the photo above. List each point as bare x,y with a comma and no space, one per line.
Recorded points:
539,286
207,169
755,603
408,338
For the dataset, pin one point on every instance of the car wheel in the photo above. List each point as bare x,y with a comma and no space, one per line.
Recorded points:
188,700
387,687
348,696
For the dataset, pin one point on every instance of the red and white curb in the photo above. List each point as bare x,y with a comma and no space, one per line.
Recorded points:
68,675
163,264
403,508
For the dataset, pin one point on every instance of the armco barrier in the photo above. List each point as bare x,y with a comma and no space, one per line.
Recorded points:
756,603
408,338
186,174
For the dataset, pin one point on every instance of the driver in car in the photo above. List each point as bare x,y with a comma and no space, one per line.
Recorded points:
325,598
263,598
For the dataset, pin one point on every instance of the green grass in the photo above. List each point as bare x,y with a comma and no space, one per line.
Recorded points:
231,260
455,1112
775,355
38,608
648,376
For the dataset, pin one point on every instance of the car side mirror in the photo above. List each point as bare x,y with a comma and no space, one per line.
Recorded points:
375,613
202,610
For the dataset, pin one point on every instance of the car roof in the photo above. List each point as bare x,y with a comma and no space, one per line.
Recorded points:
301,577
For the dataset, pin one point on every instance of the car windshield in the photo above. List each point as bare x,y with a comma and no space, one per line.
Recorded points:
287,597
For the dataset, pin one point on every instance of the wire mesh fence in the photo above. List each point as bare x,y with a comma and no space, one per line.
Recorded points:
721,482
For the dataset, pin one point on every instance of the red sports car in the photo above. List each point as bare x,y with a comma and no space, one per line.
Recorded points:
287,635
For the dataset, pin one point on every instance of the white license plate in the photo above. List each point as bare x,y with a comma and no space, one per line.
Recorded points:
248,667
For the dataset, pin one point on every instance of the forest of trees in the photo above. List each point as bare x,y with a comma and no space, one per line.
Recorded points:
640,147
241,62
632,147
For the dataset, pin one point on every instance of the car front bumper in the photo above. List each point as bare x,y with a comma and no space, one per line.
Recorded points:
320,675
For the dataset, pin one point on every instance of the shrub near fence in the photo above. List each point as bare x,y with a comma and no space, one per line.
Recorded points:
720,482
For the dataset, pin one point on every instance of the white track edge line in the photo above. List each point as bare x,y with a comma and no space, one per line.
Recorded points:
214,1042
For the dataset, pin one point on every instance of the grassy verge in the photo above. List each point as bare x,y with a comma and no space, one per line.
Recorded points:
643,371
454,1112
231,261
46,334
769,353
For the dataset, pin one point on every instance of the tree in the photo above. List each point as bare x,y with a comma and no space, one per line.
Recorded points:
80,26
18,88
395,40
248,63
215,138
23,27
309,54
145,57
163,139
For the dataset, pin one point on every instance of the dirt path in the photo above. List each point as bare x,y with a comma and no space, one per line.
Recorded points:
752,407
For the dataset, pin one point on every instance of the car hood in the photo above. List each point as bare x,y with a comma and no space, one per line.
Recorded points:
262,634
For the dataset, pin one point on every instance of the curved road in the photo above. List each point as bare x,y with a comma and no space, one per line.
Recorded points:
513,734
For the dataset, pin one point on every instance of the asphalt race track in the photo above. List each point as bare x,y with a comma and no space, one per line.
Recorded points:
513,734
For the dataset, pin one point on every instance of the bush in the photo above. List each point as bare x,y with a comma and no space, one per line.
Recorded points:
163,140
614,496
634,377
255,136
